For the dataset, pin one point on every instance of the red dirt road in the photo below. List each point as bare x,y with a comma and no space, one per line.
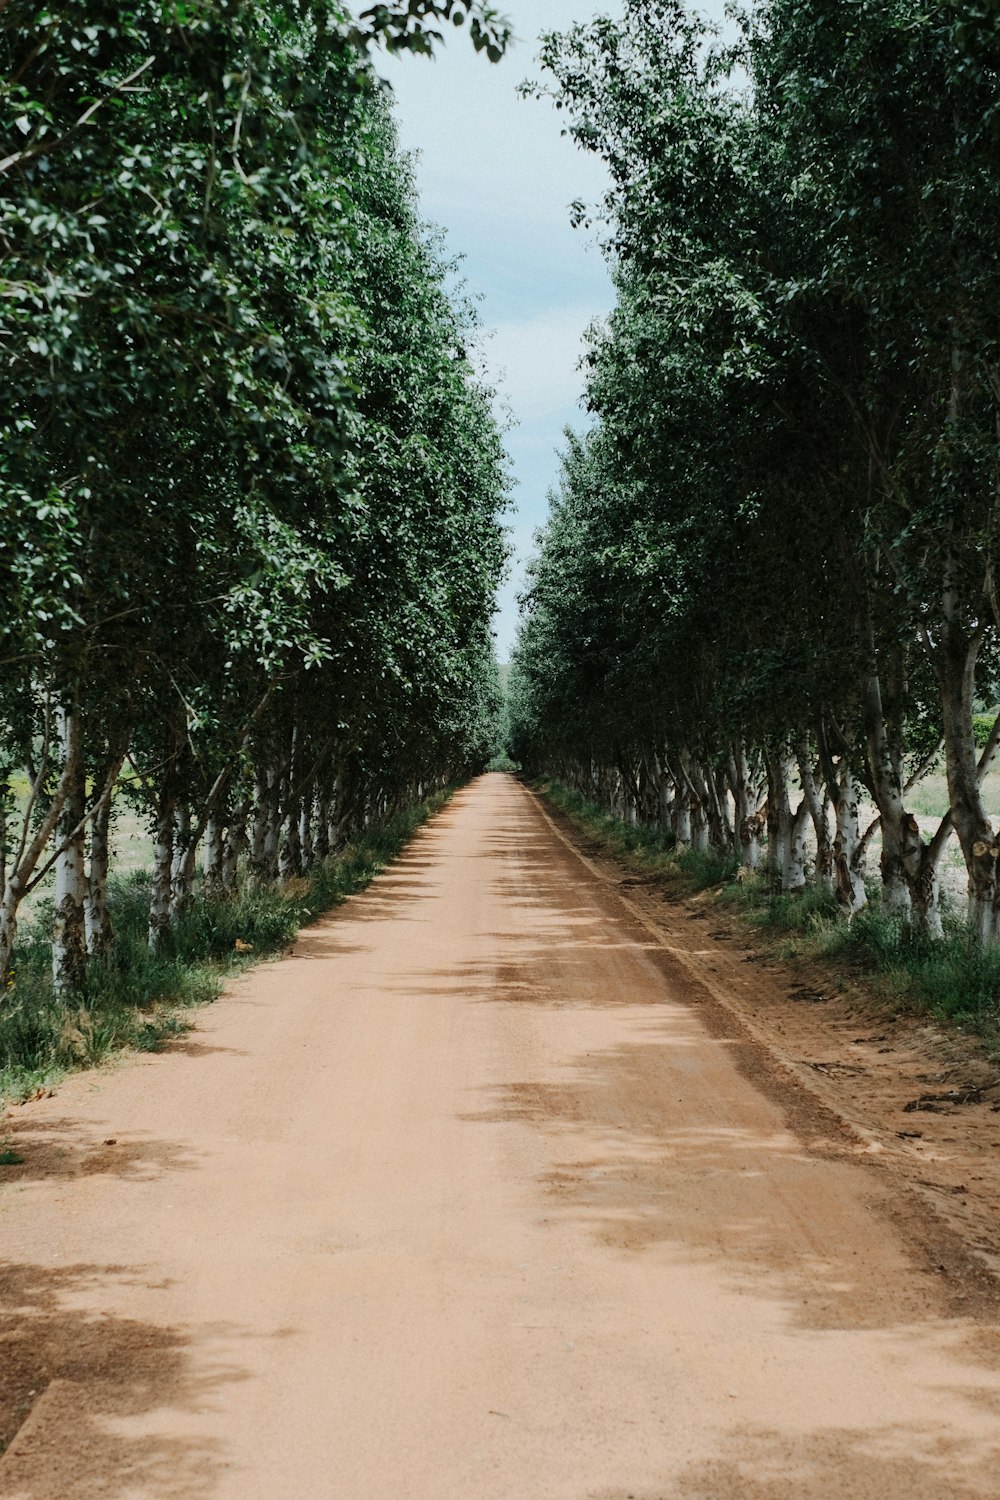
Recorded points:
475,1197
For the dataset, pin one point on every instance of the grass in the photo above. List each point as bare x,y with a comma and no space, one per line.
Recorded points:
137,1000
954,979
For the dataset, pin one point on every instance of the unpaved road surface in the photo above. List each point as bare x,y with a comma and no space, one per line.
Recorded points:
478,1196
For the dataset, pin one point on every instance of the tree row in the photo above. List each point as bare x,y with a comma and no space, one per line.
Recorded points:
250,480
767,590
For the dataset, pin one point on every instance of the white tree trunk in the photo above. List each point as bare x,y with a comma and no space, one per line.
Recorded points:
272,825
213,856
69,947
182,865
233,843
163,854
97,916
793,869
306,831
848,853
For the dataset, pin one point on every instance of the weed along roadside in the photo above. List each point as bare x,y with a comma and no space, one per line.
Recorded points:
138,999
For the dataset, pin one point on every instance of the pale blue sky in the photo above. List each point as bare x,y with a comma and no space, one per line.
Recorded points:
496,174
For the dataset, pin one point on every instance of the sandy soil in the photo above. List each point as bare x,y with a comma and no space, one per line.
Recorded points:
511,1183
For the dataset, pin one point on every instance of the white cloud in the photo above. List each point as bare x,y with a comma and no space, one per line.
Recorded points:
535,363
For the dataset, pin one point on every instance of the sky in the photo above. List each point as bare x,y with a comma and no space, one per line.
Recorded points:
496,174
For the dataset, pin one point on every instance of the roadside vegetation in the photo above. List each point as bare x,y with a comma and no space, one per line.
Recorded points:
250,497
763,616
135,998
952,977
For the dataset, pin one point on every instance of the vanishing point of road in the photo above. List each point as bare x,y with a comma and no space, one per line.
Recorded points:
476,1195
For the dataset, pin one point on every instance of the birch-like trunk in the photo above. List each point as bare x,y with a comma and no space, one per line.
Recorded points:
720,828
163,858
321,827
779,815
793,874
69,944
257,852
213,856
665,802
272,824
817,805
182,865
333,813
750,814
787,846
4,798
234,843
290,849
909,866
33,839
848,849
97,916
306,831
956,660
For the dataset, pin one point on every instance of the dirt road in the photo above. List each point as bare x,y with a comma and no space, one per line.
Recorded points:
475,1197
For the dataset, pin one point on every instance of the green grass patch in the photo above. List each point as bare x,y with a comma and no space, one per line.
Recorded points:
954,977
137,1000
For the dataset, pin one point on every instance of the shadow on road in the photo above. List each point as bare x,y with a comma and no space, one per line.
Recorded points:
78,1378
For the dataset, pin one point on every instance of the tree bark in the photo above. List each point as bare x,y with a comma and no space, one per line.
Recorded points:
32,843
955,662
97,915
212,856
848,848
69,945
234,843
163,857
817,805
182,864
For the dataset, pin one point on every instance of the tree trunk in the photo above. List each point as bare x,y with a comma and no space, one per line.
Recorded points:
234,843
290,850
321,827
97,915
69,945
848,849
956,672
306,830
213,856
749,813
817,807
163,856
182,865
32,843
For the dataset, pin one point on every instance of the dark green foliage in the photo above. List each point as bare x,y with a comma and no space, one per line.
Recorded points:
982,727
